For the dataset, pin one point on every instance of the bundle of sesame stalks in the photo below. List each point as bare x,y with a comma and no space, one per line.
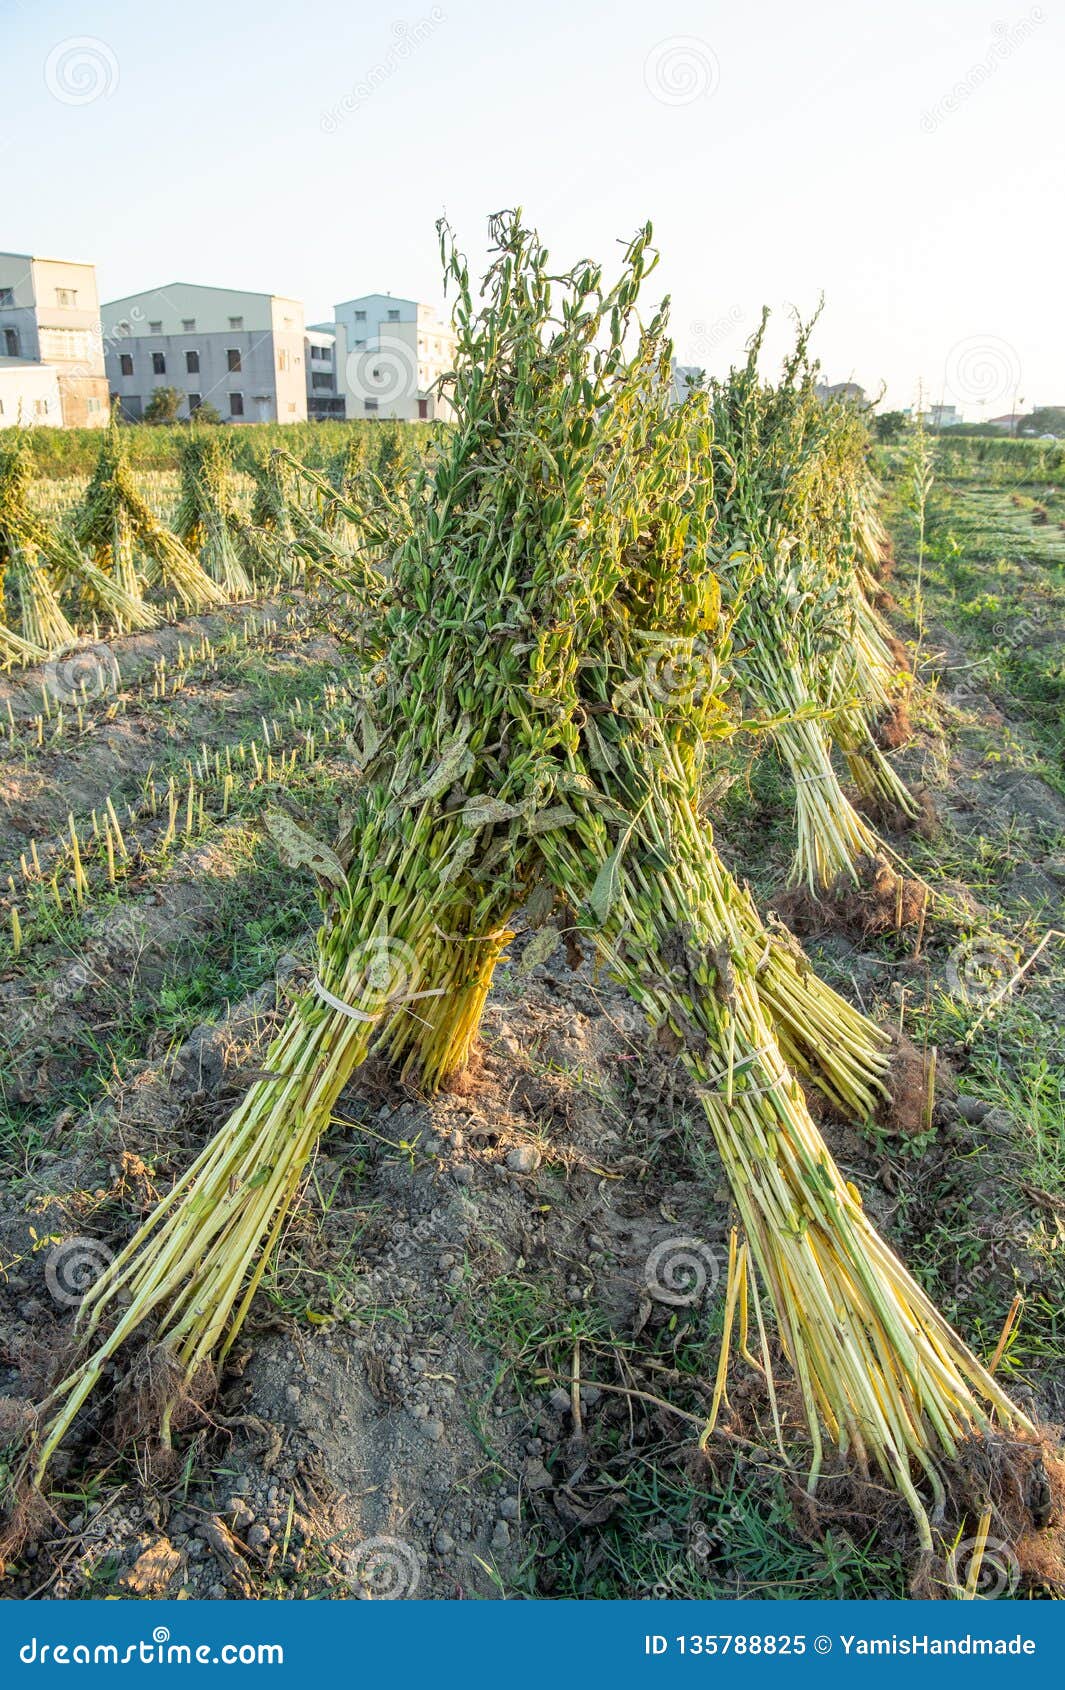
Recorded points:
24,572
275,519
117,527
46,565
330,536
208,519
347,535
517,751
786,548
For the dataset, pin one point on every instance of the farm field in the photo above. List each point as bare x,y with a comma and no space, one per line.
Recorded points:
487,1336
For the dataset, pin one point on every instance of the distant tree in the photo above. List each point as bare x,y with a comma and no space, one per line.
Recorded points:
890,424
1046,419
205,413
163,406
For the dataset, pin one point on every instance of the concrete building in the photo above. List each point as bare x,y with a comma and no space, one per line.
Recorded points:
945,416
243,353
847,391
389,355
324,400
50,315
29,395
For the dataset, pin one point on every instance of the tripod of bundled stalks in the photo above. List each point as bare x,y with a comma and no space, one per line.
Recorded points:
804,649
24,572
116,525
208,519
44,564
275,520
515,744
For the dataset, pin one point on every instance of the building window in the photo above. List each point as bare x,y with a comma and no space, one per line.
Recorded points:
192,362
94,406
236,404
40,407
195,401
236,322
288,322
360,316
66,296
292,406
158,364
369,404
125,363
393,316
11,343
155,327
360,343
188,325
322,379
7,296
233,359
423,409
282,358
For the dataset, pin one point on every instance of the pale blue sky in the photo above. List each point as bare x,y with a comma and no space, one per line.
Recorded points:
904,158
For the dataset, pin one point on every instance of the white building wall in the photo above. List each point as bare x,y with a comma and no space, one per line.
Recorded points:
390,354
29,395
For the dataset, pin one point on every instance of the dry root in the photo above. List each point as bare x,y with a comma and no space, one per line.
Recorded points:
882,902
894,728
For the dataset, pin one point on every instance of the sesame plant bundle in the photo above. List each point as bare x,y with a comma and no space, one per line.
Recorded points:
24,575
119,529
879,1369
276,518
51,565
516,745
208,519
346,534
881,678
785,553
